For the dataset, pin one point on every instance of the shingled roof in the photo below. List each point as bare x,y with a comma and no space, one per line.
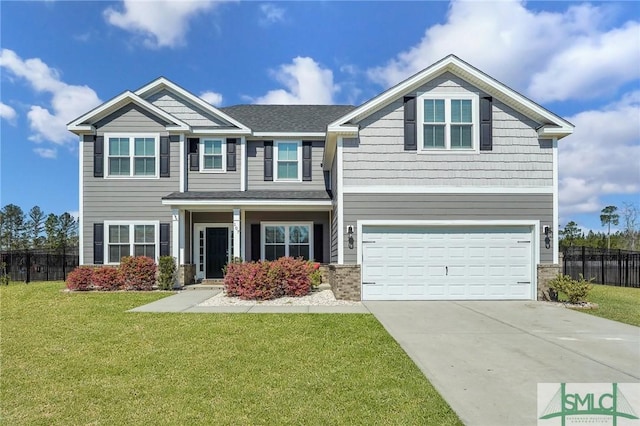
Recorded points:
287,118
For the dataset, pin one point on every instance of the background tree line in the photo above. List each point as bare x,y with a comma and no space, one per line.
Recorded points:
36,230
625,238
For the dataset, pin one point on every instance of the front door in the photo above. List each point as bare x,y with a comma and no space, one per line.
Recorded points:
217,241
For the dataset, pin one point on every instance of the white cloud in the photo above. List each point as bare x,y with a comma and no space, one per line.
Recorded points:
8,113
601,157
538,52
271,14
67,101
46,152
306,82
213,98
161,23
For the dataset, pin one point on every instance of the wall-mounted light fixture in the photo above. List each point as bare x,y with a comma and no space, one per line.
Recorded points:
548,233
350,236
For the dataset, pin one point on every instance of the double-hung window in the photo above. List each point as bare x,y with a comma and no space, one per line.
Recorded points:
131,239
449,122
212,155
288,162
287,239
132,155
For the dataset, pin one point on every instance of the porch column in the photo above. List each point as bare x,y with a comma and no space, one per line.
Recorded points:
175,234
236,234
181,231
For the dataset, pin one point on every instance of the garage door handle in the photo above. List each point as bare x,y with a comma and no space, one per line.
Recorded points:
368,283
524,282
446,270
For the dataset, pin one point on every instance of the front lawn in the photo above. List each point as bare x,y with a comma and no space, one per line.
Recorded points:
616,303
81,359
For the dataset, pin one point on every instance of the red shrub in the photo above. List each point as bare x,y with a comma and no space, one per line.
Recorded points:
137,273
107,278
80,279
293,274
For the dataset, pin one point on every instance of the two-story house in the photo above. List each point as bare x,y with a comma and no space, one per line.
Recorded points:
444,186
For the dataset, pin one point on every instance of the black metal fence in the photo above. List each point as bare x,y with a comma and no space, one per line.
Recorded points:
39,265
612,267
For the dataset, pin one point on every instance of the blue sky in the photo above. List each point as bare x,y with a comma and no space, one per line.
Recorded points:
59,59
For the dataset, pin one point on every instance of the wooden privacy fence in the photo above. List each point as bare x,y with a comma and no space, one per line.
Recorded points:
612,267
39,265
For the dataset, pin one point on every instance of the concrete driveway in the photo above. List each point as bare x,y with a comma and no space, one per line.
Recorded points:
486,358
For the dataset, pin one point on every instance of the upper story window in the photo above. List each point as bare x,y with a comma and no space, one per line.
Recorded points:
449,122
288,164
212,154
132,155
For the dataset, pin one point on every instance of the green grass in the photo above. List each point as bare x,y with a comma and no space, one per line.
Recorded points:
81,359
616,303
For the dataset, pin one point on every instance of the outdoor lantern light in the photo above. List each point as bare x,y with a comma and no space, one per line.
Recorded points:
548,233
350,235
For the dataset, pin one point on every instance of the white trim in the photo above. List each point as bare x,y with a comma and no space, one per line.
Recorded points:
547,131
276,147
286,224
236,233
195,237
243,229
241,203
81,202
340,200
183,179
223,152
412,189
132,136
533,224
218,132
457,66
556,235
448,97
131,224
163,82
343,130
243,163
175,235
117,103
290,134
182,237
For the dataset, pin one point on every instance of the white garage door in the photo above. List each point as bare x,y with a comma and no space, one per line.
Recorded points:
446,263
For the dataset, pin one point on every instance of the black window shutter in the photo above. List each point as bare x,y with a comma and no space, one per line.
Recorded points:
486,133
268,160
410,125
306,160
255,242
98,157
164,239
194,158
231,154
318,252
98,243
164,156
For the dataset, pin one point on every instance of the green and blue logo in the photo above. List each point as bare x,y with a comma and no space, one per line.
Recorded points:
588,403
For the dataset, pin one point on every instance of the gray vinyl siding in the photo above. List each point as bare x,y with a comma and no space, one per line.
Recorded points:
518,159
124,199
228,181
447,207
255,170
184,110
130,118
280,216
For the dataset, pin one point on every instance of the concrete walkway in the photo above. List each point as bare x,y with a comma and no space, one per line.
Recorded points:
486,358
188,300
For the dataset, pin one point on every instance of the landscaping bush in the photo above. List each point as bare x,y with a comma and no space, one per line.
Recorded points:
80,279
166,272
4,277
576,291
271,279
137,273
106,278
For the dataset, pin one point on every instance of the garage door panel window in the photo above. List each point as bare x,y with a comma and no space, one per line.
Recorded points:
292,240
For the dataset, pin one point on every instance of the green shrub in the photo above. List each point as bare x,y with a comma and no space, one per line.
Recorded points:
576,291
4,277
166,272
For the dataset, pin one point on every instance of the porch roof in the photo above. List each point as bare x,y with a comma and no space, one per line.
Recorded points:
311,199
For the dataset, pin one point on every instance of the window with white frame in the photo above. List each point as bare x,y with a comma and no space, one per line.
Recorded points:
287,239
288,164
449,122
212,154
131,239
132,155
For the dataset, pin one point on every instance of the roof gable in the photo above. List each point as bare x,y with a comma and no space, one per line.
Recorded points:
552,124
